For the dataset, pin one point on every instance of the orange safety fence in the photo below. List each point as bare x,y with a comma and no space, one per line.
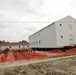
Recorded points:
18,56
3,57
37,55
50,53
26,55
10,58
32,55
71,51
56,51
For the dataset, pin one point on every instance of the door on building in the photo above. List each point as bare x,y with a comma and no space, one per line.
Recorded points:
71,40
71,37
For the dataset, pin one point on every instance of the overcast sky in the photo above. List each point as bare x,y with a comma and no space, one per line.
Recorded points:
21,18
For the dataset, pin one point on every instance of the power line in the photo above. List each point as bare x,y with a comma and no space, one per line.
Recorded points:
30,22
22,22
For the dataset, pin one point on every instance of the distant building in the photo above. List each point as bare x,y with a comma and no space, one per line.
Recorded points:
58,34
13,45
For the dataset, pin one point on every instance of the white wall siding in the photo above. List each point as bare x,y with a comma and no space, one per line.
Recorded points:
68,31
46,36
74,31
3,47
13,47
62,34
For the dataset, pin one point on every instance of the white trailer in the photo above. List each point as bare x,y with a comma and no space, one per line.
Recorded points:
56,35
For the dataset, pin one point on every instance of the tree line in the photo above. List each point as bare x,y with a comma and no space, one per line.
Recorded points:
2,41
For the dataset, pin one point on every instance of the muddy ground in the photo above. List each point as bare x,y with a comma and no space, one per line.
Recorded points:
56,67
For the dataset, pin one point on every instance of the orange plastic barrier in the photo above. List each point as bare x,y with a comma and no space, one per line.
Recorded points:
34,55
37,55
26,55
3,57
18,56
56,51
71,51
10,58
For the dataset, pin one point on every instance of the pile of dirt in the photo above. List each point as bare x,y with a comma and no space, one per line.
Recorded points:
57,67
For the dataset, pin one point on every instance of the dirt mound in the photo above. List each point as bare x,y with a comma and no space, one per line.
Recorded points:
57,67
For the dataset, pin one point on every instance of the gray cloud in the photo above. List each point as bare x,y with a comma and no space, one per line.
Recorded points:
4,25
20,9
31,29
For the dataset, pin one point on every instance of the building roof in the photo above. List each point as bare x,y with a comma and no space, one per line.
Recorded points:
67,19
14,44
42,28
64,19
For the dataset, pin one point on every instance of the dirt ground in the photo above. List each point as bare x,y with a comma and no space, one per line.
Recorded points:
65,66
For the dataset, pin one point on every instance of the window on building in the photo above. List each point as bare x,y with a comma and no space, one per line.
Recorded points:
39,42
71,39
61,36
60,24
38,34
70,26
10,47
36,42
32,43
19,46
